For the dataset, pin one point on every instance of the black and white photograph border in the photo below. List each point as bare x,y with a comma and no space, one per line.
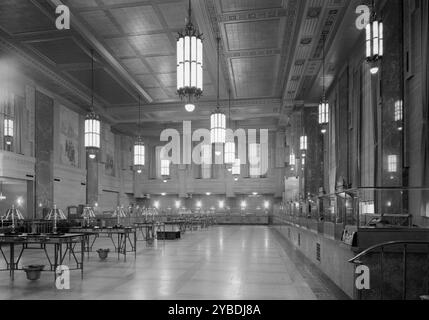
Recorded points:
216,155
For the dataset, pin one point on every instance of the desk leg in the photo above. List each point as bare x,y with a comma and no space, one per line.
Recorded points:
55,261
12,261
119,247
82,244
135,245
126,235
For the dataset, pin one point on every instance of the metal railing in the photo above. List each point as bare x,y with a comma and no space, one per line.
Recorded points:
381,249
360,207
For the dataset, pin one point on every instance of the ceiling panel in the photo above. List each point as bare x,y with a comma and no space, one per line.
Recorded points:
100,23
81,3
174,14
105,86
61,51
148,81
253,76
137,19
120,47
241,5
253,35
172,93
135,66
152,44
167,79
162,64
157,94
118,2
23,16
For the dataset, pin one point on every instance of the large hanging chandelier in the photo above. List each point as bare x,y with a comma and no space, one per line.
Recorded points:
218,118
8,130
324,104
139,147
374,41
230,143
303,140
92,122
303,143
8,123
190,61
292,159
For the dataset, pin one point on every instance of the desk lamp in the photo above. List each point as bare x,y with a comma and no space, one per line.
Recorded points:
87,214
13,214
54,215
119,213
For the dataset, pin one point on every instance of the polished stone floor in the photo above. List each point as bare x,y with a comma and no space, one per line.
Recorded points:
230,262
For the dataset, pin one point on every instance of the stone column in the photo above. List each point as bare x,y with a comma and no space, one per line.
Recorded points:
91,181
44,153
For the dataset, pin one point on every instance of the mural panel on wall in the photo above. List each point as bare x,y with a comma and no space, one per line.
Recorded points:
109,166
69,137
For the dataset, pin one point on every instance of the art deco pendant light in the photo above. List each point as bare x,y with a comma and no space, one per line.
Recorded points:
190,63
92,122
8,123
218,118
303,140
374,41
139,147
324,104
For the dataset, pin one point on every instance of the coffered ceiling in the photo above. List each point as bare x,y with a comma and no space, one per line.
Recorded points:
270,54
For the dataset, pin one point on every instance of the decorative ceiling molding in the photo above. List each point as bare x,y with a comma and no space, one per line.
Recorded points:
34,64
83,31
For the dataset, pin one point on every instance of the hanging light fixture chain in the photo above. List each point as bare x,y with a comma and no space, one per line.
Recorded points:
323,67
189,12
218,71
92,80
229,107
140,120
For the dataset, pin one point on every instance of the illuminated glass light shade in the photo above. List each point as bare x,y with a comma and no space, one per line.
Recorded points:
303,143
236,169
177,204
55,214
374,42
229,153
266,204
392,163
190,107
139,155
323,114
92,134
217,127
221,204
8,131
292,159
165,168
399,113
190,61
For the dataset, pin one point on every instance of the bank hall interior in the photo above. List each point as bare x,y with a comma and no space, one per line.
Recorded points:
214,149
